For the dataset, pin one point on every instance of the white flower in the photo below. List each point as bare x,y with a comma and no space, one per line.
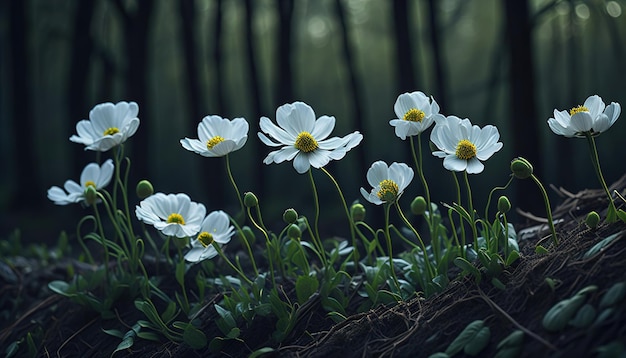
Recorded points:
591,118
172,214
415,114
215,228
93,175
109,125
462,145
218,136
388,182
303,138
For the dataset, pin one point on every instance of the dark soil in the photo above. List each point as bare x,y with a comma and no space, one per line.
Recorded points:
418,328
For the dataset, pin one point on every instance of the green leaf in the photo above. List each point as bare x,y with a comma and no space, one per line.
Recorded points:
306,286
261,351
466,336
195,338
622,215
12,349
585,316
513,256
234,333
498,284
227,317
511,345
61,287
466,266
597,248
541,250
478,343
561,313
614,295
113,332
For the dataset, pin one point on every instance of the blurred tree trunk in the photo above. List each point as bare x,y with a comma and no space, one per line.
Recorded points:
136,26
29,189
404,50
217,59
523,114
255,93
194,88
355,89
77,102
439,88
284,75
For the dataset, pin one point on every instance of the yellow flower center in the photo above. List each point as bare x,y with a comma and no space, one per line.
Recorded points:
578,109
414,115
175,218
214,141
111,131
305,142
388,190
90,183
205,238
465,149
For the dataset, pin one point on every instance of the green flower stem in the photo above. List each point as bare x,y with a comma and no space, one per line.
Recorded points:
181,259
487,227
611,215
548,210
389,246
471,211
81,242
268,244
239,272
491,195
123,187
434,229
232,181
104,246
366,241
106,197
316,202
319,248
247,244
431,270
463,248
350,221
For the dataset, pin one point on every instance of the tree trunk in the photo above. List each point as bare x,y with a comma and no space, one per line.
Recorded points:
523,114
77,102
194,89
355,89
404,50
439,87
284,75
29,187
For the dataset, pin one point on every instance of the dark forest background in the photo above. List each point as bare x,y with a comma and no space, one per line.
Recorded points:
502,62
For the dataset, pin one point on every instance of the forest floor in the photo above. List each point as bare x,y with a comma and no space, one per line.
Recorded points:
417,328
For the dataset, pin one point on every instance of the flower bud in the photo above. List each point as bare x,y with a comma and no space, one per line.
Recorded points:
504,205
144,189
91,195
294,231
250,200
357,211
290,216
592,220
419,205
521,168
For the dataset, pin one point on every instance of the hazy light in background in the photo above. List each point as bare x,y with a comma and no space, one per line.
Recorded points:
613,8
582,11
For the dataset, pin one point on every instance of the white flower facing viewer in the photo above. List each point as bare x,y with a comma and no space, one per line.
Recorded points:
109,125
304,138
218,136
462,145
215,228
388,182
93,175
172,214
416,113
593,118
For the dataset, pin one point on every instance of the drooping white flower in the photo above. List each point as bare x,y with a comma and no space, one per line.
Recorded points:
304,138
416,113
215,228
93,175
172,214
593,118
462,145
109,125
218,136
388,182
